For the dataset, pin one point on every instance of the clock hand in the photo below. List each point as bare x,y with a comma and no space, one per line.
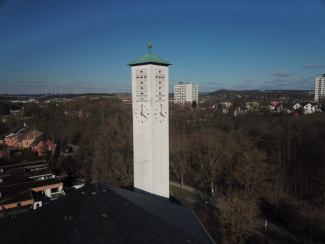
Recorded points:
141,113
162,115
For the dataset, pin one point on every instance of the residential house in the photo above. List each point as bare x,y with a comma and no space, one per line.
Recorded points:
42,146
309,109
219,104
275,102
27,186
283,108
297,106
240,111
22,137
279,109
252,103
250,108
228,104
222,106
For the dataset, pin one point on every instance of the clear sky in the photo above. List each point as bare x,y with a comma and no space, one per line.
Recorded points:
80,46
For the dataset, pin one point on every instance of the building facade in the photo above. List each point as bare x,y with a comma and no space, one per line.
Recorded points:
319,88
150,124
186,92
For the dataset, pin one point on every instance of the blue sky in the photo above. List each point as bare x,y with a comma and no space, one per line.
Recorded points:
80,46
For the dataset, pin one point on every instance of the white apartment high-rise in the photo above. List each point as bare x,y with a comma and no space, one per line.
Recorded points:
186,92
320,87
150,124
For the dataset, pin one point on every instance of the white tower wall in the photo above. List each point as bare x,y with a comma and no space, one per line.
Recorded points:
150,128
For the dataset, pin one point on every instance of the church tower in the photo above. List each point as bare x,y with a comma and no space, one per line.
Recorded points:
150,124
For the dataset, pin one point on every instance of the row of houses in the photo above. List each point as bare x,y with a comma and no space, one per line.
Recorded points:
304,108
273,107
28,137
27,186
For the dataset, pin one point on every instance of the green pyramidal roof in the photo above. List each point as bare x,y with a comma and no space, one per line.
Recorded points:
149,58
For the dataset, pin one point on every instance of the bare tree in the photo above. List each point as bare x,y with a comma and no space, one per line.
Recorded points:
251,173
112,157
235,220
214,152
180,152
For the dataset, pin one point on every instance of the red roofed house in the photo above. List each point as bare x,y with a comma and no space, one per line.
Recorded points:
275,103
22,137
41,146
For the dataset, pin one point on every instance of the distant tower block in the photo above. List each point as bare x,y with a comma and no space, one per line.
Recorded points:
150,124
320,88
186,92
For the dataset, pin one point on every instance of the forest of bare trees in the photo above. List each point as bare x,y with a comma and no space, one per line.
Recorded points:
258,166
262,166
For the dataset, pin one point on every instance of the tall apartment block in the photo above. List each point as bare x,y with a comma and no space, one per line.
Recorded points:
320,87
186,92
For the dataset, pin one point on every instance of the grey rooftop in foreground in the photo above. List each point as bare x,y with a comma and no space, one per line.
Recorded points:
98,213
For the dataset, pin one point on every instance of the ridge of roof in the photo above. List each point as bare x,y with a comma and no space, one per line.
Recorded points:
149,58
20,132
23,132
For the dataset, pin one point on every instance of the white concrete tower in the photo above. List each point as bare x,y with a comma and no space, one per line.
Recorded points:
150,124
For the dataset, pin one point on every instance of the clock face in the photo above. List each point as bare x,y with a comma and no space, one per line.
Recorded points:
141,113
160,112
